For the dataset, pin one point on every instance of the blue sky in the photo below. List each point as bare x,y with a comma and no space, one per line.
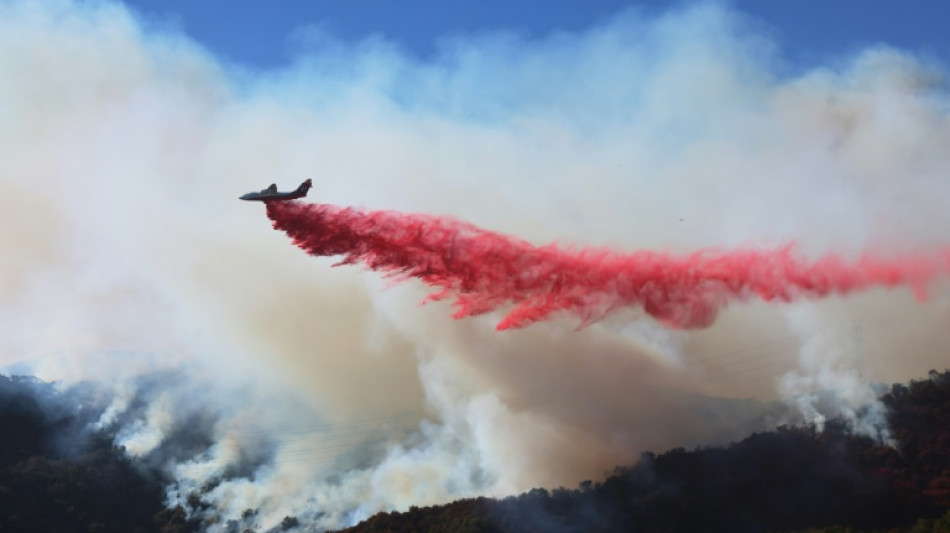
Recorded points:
262,34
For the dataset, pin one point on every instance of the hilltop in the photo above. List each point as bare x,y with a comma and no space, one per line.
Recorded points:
787,479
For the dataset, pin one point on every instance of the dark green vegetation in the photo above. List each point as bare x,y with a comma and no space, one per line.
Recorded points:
58,475
789,479
924,525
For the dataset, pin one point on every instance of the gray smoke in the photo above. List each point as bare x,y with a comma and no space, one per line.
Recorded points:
263,379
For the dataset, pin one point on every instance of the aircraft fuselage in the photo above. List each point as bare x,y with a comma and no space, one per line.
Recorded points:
271,193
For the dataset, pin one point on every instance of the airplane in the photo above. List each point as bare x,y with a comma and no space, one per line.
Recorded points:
271,193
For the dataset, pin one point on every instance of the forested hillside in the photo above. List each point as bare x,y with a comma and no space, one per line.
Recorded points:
57,474
788,479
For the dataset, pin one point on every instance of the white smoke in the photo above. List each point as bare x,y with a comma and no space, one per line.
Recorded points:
263,379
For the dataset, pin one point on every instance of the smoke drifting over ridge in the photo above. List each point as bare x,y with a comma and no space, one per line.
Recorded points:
127,260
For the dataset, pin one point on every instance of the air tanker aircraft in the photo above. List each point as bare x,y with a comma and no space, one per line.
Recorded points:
271,193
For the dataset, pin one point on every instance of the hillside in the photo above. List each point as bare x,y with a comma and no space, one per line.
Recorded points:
58,474
788,479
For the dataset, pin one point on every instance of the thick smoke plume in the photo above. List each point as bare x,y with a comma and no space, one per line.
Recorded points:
485,270
259,382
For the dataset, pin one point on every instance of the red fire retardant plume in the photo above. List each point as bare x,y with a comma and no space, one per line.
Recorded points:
484,270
